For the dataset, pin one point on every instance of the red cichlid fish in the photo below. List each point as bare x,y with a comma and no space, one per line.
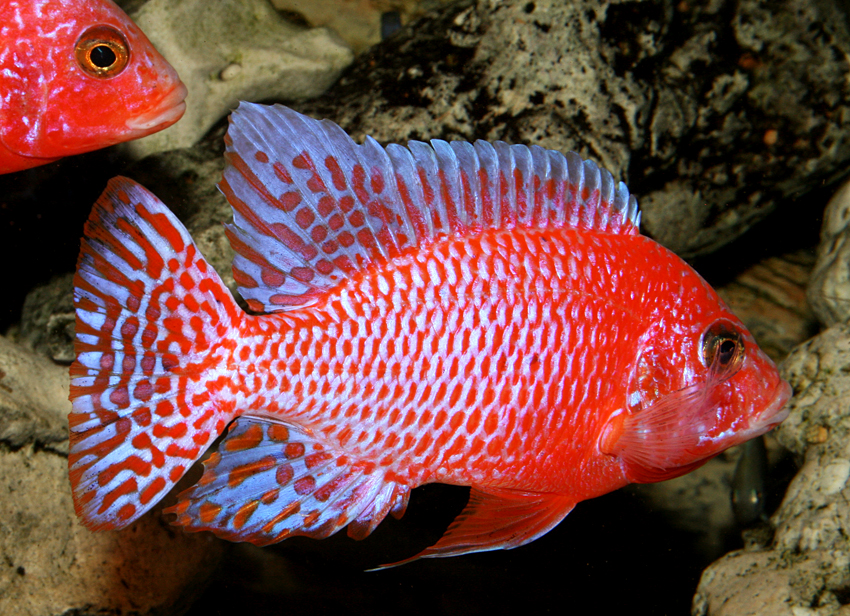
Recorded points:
484,315
75,76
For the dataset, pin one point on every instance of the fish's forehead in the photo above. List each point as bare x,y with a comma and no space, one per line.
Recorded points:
66,17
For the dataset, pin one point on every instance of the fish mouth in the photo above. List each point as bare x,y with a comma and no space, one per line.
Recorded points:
776,411
169,110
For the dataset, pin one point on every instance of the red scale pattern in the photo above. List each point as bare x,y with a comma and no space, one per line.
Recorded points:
478,378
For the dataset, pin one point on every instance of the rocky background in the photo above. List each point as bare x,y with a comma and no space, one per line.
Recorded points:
727,119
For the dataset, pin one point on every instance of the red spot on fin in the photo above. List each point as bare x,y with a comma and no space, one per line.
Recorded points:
329,201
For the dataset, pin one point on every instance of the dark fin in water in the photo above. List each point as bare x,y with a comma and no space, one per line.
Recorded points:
498,520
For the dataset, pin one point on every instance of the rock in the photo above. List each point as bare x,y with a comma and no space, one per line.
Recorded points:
358,23
33,398
47,320
51,564
231,50
704,109
770,298
806,567
829,289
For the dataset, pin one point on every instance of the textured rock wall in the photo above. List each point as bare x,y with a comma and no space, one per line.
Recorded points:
805,569
713,112
50,563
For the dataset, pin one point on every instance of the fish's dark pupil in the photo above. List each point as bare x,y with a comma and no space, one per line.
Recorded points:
102,56
727,350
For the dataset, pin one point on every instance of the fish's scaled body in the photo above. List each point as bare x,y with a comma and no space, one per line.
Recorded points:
482,315
75,76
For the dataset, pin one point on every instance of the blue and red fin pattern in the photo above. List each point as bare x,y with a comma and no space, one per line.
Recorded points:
312,207
268,481
150,312
498,519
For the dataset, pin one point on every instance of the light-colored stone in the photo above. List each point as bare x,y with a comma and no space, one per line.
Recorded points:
33,398
806,568
358,22
231,50
47,320
829,289
752,583
49,563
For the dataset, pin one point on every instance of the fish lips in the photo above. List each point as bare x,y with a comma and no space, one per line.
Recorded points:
170,109
776,411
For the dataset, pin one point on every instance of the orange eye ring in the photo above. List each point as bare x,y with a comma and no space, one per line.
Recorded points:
102,52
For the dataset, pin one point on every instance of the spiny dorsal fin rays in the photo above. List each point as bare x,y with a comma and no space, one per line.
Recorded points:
311,207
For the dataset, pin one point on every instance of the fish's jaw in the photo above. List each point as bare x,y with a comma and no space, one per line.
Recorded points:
663,441
775,413
165,114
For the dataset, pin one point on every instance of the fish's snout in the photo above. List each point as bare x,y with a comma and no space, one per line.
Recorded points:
776,411
167,112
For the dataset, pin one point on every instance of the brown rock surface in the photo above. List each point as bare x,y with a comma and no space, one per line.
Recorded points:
49,563
805,569
711,112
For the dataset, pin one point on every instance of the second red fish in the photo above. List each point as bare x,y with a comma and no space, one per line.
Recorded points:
484,315
75,76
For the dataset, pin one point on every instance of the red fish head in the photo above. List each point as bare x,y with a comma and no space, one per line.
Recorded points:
81,76
698,389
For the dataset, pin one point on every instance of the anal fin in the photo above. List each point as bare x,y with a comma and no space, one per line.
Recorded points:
498,519
269,481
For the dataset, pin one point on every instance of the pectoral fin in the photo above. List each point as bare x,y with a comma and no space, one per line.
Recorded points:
498,519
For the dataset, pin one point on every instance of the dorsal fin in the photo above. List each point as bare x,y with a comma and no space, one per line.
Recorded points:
311,207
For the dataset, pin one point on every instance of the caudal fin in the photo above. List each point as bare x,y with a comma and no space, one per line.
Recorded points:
152,323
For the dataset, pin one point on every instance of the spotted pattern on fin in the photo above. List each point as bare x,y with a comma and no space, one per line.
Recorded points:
311,207
269,481
152,320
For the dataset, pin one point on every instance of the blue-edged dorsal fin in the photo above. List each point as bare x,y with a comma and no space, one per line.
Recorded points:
311,207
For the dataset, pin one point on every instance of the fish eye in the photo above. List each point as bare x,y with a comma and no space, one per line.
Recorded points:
102,52
722,347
